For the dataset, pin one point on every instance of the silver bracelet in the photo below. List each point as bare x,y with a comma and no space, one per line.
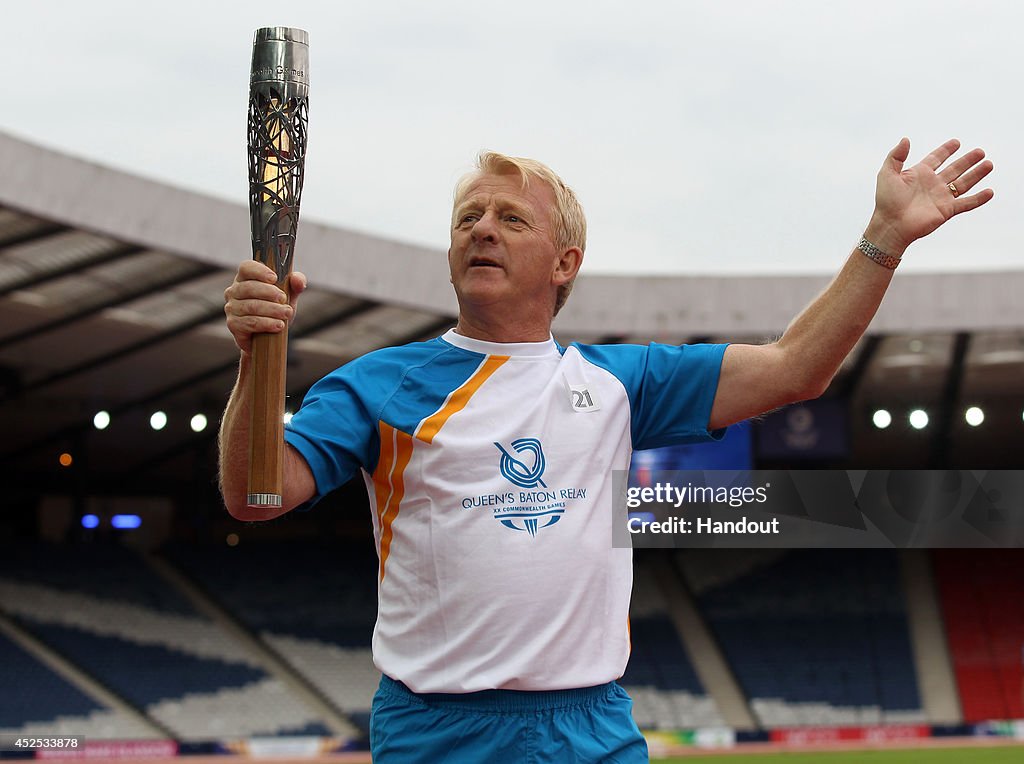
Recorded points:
880,257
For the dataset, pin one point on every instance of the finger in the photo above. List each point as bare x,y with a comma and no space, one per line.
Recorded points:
899,155
968,203
298,282
297,285
255,290
961,165
258,308
941,154
254,270
969,179
243,327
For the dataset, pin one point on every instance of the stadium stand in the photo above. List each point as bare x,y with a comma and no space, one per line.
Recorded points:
814,637
313,602
982,592
666,692
41,694
128,631
106,570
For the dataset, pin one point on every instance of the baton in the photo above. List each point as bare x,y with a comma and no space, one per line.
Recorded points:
278,117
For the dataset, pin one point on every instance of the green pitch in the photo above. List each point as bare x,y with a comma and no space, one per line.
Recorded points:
1002,755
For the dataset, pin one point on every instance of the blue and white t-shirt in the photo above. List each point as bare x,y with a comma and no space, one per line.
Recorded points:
489,469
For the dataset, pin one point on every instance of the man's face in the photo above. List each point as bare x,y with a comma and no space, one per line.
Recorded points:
502,249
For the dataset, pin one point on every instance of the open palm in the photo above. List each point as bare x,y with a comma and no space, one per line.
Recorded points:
913,202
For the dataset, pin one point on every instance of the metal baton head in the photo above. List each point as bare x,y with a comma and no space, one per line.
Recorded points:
278,118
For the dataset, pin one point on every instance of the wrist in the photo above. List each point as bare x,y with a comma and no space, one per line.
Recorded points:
244,364
885,237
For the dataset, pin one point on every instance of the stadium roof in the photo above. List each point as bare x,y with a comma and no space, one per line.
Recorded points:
111,295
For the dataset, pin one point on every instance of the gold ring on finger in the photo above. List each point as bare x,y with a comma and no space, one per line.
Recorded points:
952,189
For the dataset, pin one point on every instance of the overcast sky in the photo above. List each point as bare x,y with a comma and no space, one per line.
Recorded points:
711,137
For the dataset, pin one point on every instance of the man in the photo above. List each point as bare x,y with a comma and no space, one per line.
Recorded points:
488,452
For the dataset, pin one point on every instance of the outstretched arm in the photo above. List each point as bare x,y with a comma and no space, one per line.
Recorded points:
909,204
254,304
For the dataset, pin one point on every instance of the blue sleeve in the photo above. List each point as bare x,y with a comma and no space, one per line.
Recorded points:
670,389
336,430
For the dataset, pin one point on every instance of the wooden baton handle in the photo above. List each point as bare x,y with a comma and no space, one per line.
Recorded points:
266,426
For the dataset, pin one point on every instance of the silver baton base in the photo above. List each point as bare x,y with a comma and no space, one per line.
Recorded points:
264,500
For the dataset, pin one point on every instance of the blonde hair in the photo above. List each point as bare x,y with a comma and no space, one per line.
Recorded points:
568,221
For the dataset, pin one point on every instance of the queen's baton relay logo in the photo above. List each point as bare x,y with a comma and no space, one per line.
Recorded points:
516,471
536,505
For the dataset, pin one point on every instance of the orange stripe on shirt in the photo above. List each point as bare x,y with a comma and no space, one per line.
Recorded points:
459,398
396,451
382,475
402,453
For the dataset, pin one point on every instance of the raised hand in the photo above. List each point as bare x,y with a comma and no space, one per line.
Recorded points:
911,203
254,304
